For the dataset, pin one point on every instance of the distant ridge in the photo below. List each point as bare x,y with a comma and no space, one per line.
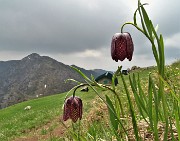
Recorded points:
35,76
88,72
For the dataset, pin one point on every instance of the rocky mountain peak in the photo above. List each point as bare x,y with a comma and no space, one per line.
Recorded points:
33,76
32,56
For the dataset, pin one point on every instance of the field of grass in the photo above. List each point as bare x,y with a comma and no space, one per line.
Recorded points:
45,114
15,121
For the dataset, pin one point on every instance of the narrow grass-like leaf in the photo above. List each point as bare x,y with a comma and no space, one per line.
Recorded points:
165,108
134,122
115,76
141,92
134,18
150,102
136,13
90,136
113,83
177,117
117,107
71,131
142,20
81,73
112,114
161,55
134,82
154,113
160,50
158,111
156,56
73,80
171,90
147,21
156,29
92,132
139,101
104,131
155,53
108,107
171,129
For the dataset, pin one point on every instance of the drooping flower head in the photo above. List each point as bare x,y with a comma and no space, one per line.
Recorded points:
122,46
72,109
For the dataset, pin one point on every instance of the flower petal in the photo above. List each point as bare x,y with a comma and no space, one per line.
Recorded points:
67,106
130,46
74,113
72,109
113,47
80,107
120,47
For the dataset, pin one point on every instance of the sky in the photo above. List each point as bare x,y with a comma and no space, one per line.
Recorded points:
79,32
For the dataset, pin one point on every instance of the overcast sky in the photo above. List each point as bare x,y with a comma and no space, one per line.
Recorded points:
80,31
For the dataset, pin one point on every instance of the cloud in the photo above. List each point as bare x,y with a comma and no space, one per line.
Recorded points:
173,41
58,26
89,53
79,32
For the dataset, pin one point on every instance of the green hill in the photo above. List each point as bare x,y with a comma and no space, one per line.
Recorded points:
43,119
15,121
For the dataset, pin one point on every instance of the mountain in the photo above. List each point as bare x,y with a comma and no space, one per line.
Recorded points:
100,71
34,76
88,72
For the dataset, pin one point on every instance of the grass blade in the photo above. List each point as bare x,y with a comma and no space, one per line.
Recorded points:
141,92
113,116
119,121
81,73
171,90
154,111
142,21
138,100
150,102
131,109
147,21
177,118
162,55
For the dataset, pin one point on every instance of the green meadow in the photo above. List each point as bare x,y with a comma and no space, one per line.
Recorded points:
43,120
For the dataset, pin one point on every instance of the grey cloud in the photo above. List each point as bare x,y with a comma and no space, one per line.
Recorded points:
56,26
166,15
68,26
172,53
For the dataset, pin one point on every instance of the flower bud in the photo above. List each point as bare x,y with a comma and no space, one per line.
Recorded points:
122,46
72,109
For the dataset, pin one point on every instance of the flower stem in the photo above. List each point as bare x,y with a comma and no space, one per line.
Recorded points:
149,38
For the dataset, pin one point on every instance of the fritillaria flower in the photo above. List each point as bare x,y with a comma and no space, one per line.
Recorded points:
122,46
72,109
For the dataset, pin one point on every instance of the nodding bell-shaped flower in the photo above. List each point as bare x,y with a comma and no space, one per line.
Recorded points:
72,109
122,46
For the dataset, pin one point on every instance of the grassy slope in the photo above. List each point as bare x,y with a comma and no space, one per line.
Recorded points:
15,121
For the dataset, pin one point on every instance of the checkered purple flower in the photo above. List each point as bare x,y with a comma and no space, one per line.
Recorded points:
72,109
122,46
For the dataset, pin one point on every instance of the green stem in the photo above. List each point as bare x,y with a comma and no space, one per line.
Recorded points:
164,105
152,42
104,86
138,28
78,86
108,107
120,104
131,109
79,130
